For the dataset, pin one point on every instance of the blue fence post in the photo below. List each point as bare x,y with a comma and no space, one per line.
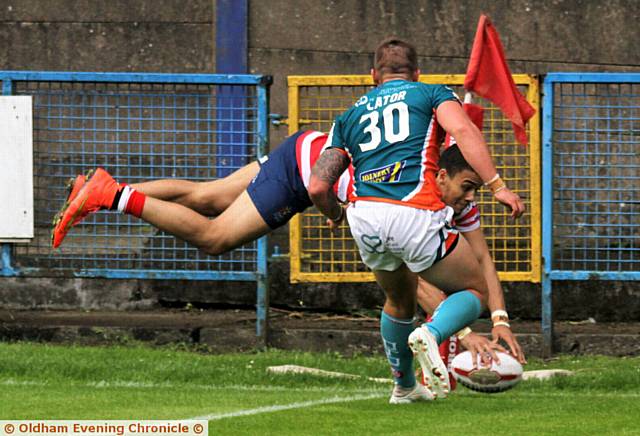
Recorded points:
231,58
7,87
262,303
7,269
547,219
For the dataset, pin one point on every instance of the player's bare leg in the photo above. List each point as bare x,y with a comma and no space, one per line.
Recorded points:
207,198
459,271
429,297
400,289
396,324
238,224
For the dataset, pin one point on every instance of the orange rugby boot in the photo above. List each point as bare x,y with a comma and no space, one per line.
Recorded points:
73,187
94,193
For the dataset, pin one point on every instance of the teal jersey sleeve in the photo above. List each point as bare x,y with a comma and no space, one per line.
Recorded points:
442,93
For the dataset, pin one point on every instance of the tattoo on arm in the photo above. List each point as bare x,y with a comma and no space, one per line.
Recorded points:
330,165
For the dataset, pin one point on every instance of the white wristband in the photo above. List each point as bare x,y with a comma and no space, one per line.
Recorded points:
463,333
503,323
498,313
493,179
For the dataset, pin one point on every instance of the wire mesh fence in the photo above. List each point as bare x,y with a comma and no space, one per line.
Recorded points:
139,128
318,255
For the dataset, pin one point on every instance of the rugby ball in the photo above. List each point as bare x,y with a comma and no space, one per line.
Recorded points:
489,379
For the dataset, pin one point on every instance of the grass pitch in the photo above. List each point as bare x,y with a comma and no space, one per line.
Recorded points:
238,396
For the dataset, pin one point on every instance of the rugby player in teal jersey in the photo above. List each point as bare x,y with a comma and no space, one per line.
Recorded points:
397,216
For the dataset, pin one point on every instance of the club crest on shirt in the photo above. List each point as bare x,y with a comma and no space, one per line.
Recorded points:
386,174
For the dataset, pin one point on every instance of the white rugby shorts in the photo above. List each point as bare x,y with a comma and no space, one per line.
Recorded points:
389,234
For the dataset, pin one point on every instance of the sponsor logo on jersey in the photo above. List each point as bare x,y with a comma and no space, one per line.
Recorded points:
363,100
386,174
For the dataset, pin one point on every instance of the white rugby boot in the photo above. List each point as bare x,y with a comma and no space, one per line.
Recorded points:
434,371
417,393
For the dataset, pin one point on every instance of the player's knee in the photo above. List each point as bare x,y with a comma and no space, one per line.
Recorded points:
201,201
212,248
217,246
213,241
403,305
483,297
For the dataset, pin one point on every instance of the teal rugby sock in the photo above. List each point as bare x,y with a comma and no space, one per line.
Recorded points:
455,313
395,334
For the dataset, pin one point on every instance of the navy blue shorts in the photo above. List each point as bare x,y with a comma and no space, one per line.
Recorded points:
277,191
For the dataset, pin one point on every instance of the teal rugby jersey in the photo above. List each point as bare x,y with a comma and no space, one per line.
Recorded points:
393,139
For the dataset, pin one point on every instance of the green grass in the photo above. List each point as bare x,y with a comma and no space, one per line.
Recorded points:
57,382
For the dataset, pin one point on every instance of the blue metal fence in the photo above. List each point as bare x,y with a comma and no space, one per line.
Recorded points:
591,181
140,127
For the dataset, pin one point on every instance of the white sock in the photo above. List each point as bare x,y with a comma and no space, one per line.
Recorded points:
124,198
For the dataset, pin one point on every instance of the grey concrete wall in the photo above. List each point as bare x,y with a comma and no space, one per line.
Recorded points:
337,37
577,301
169,36
311,37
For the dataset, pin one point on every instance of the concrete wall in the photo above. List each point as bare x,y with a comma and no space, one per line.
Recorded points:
337,37
92,35
310,37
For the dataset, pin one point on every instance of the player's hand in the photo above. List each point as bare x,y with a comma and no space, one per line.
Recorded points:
479,345
504,333
335,224
511,200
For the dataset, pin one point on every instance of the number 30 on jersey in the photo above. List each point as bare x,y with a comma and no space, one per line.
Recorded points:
394,111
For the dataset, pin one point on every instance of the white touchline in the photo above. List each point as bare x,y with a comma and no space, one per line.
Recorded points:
374,392
164,385
277,408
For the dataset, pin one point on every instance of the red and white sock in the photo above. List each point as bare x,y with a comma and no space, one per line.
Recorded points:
131,201
448,350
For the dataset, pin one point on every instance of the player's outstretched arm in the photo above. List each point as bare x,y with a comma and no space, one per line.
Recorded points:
502,331
455,121
324,175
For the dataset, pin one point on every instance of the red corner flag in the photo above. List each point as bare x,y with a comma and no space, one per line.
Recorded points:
488,76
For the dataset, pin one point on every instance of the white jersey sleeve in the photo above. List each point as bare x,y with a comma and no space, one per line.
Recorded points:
468,219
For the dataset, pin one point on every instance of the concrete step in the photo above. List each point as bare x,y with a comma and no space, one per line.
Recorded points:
234,330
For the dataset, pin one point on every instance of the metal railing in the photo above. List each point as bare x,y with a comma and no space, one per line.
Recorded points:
591,181
140,127
319,256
